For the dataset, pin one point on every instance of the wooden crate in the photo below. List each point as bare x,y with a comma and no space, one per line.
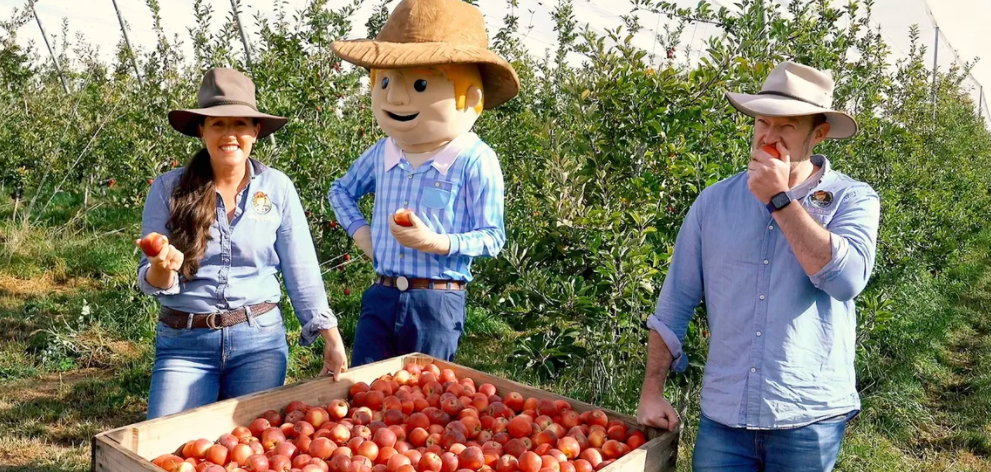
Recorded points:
132,447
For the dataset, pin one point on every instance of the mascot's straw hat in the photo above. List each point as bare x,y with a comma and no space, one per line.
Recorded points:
423,33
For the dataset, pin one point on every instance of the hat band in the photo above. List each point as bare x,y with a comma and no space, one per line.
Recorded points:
217,103
781,94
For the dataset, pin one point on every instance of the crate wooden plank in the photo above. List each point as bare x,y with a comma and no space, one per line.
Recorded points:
657,455
116,434
120,436
109,456
131,447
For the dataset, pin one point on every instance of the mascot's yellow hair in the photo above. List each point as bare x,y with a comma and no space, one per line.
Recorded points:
463,76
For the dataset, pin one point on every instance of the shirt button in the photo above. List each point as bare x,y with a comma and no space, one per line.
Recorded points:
402,256
437,184
406,203
762,297
766,262
770,227
411,176
758,334
753,369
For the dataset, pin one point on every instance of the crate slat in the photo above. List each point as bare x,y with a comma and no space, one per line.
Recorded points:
131,447
110,456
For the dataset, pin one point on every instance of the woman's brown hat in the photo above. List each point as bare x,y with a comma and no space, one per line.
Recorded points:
422,33
224,93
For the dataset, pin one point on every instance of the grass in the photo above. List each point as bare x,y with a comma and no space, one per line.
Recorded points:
76,348
926,379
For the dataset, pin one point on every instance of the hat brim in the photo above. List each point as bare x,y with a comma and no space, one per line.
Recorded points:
499,79
841,125
187,121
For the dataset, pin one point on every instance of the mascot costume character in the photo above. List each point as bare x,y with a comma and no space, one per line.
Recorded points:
438,188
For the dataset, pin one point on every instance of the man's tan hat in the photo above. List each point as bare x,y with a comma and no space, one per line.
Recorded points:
796,90
422,33
224,93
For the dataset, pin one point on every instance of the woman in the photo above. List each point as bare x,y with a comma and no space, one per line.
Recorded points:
234,225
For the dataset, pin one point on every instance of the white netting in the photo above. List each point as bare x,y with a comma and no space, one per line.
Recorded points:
98,22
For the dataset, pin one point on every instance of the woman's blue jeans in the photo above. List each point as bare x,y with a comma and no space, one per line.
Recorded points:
195,367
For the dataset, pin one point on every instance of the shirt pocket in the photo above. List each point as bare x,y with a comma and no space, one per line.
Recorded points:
436,194
821,211
255,234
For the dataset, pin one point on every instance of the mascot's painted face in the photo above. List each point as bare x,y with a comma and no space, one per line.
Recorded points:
424,108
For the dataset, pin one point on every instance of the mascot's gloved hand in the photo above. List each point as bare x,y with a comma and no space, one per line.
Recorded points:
363,238
420,237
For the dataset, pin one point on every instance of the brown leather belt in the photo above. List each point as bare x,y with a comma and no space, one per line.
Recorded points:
408,283
222,319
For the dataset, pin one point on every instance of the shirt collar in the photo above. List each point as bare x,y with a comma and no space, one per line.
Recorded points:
255,168
442,161
803,189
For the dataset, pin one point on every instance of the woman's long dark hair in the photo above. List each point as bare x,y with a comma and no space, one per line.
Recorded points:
194,209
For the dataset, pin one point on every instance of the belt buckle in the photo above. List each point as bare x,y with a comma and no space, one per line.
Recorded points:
211,321
402,283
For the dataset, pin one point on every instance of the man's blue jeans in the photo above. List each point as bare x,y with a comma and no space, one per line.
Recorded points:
195,367
811,448
394,323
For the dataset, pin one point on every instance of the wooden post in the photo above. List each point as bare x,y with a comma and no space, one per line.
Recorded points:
763,28
89,183
127,42
980,101
65,85
935,70
244,36
247,46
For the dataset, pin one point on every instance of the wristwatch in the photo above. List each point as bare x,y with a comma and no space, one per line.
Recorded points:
779,201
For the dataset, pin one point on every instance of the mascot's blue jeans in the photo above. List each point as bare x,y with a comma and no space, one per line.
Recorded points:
395,322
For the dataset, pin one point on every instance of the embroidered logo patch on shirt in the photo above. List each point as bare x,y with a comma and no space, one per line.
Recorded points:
261,203
821,198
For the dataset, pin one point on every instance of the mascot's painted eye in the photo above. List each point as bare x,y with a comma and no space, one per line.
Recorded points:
385,82
420,85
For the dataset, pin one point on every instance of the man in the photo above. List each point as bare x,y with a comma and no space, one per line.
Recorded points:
779,252
431,77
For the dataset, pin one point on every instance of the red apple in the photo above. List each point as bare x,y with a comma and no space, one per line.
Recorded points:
338,409
402,217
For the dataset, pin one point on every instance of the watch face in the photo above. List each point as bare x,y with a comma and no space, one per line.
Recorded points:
780,200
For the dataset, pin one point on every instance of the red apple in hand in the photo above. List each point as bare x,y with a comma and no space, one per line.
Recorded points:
153,243
772,150
403,217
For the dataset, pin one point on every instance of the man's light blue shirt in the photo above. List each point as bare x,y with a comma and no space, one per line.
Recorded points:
782,343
